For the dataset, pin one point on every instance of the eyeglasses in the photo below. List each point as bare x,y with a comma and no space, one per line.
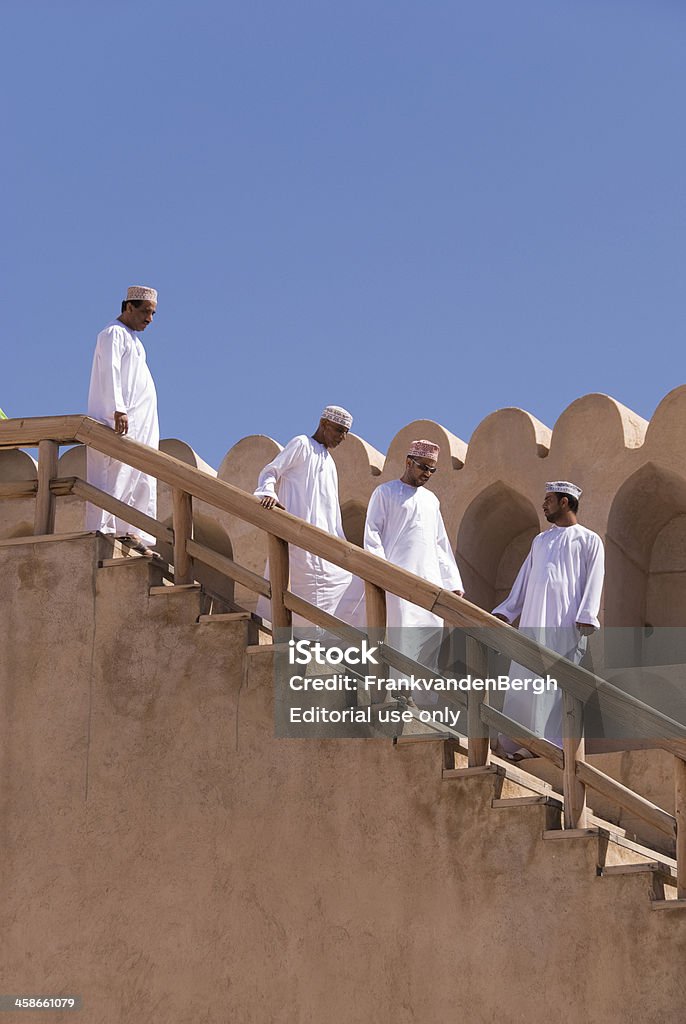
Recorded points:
420,465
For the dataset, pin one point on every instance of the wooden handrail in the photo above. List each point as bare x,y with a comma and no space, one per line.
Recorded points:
615,791
633,714
227,566
62,429
126,512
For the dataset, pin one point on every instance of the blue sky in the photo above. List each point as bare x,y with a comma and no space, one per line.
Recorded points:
430,209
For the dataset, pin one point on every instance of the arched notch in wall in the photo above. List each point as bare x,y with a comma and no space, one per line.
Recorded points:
667,429
493,540
358,464
210,534
354,514
643,508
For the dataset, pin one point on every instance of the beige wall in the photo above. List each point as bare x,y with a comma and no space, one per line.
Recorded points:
169,860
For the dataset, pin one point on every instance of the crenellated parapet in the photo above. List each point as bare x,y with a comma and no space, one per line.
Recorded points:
633,474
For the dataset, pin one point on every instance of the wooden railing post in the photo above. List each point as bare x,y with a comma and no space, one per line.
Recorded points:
375,611
680,815
44,521
477,730
278,577
182,507
574,749
375,602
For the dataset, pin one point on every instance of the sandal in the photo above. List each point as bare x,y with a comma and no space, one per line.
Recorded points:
136,544
523,754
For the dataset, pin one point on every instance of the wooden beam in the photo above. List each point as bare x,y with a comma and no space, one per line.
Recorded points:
62,486
410,667
573,749
626,798
229,568
183,532
536,744
18,489
278,575
28,433
44,519
477,730
375,614
50,538
126,512
320,618
450,748
680,814
375,607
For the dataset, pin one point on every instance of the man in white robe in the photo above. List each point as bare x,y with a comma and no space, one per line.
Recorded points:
556,597
404,525
122,395
303,480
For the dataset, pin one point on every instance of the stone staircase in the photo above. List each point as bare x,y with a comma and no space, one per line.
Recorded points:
169,860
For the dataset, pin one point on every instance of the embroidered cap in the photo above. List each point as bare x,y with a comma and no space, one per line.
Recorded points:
137,291
336,414
423,450
563,487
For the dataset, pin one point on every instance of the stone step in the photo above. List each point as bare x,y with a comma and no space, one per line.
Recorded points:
204,620
125,560
669,904
655,867
169,589
612,839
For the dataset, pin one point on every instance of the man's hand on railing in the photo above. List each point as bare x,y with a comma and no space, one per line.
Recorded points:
121,423
460,593
269,501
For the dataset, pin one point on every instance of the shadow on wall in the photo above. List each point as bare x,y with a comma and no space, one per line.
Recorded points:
646,570
206,531
646,551
496,531
354,514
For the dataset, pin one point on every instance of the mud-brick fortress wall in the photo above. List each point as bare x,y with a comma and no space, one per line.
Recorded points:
633,474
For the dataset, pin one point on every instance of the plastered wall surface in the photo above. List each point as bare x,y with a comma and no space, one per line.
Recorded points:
169,860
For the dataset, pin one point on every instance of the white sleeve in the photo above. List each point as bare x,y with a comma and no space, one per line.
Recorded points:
589,605
450,574
375,523
107,369
511,607
288,457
